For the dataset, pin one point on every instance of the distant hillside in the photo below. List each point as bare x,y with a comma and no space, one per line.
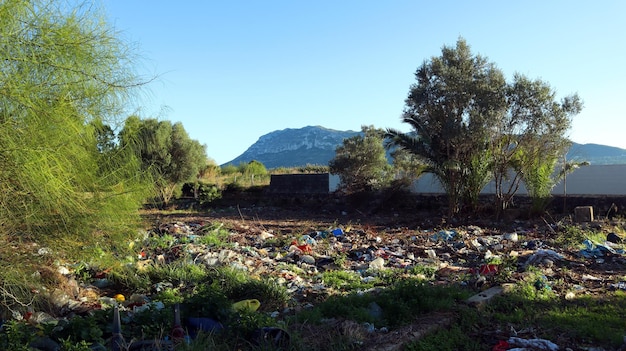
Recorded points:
315,145
597,154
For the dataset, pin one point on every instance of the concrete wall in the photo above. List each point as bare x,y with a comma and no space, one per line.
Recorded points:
587,180
299,183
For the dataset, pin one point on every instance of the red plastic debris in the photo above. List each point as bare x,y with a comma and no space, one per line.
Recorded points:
304,248
485,269
502,345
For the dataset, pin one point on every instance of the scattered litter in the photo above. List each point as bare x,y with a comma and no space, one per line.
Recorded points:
594,250
249,305
613,238
619,286
444,235
536,344
541,255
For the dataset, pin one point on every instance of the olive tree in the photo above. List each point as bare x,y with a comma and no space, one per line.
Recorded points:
529,141
471,126
361,162
451,109
166,152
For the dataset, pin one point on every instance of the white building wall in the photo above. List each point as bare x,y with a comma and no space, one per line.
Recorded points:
586,180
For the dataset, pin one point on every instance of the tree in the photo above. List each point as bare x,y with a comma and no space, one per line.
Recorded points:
406,166
166,152
530,140
361,162
62,68
471,126
451,109
252,169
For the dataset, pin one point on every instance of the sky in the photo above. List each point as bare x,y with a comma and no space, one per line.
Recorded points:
232,70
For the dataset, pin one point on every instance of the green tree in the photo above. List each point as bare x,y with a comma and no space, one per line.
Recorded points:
254,167
530,140
62,68
166,152
451,109
361,162
406,166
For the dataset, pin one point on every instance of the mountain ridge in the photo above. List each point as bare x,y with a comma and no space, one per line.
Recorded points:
315,145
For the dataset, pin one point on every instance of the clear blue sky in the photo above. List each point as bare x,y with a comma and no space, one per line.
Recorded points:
233,70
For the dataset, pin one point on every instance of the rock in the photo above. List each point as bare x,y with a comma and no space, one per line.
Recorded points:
45,344
377,264
59,298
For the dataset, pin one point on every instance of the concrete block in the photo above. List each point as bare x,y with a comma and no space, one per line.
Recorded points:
583,214
481,299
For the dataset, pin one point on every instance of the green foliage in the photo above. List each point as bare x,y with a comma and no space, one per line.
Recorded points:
471,126
400,303
253,167
361,162
313,169
166,153
69,345
571,236
237,285
16,336
345,280
208,193
450,339
79,328
451,109
214,235
62,69
579,318
229,169
407,166
65,77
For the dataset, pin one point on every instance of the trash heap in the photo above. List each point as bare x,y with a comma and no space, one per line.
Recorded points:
478,257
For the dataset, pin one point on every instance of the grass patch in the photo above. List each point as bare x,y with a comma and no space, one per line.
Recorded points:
391,307
345,280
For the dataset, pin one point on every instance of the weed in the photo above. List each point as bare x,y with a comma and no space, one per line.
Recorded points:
345,280
340,259
451,339
169,296
571,236
129,278
428,272
177,272
69,345
214,235
16,337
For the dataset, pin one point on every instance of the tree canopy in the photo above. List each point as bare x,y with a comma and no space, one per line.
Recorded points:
361,162
470,125
166,152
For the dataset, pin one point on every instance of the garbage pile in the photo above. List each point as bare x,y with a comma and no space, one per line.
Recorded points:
475,256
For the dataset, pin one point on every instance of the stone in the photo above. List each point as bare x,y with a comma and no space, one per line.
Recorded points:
377,264
583,214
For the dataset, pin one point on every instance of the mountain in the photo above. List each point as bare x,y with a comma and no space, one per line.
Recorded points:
315,145
597,154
